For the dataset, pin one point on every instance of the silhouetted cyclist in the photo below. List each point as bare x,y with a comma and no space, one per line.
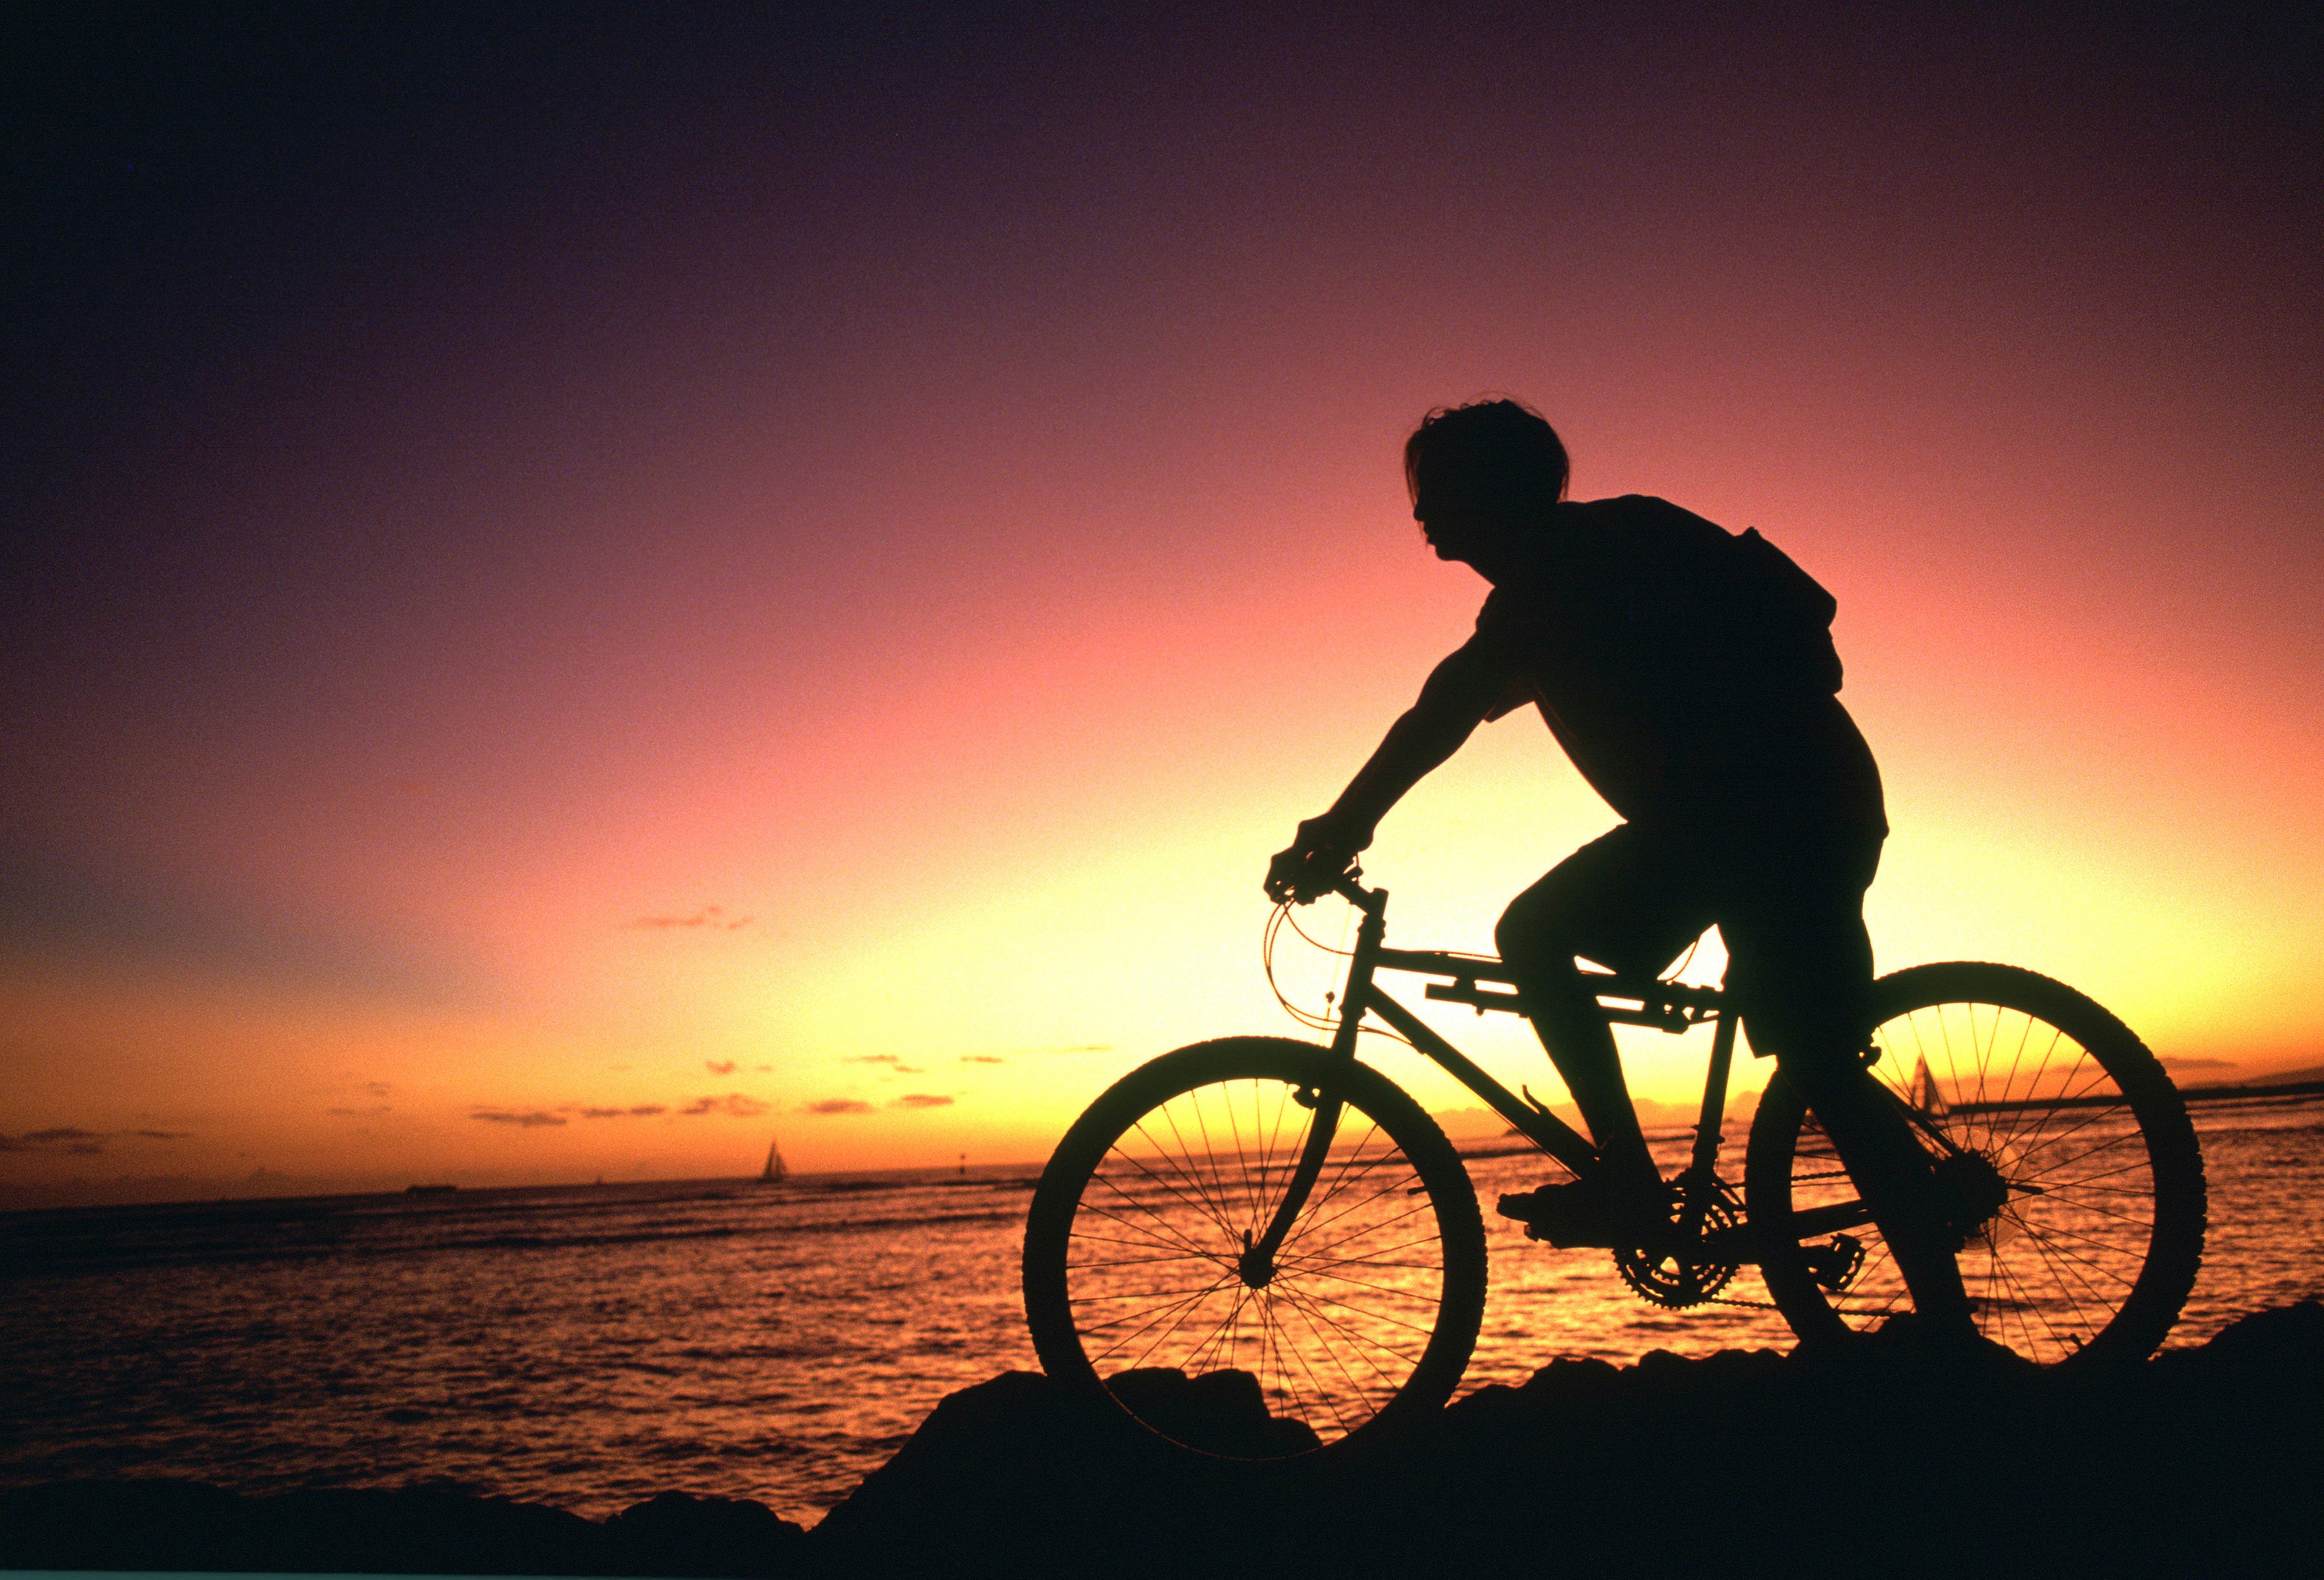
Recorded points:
1690,676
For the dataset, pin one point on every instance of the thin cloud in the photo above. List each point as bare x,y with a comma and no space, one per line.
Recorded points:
2174,1062
72,1141
921,1100
530,1119
68,1139
709,916
982,1058
890,1059
1077,1048
719,1066
642,1111
839,1105
375,1088
343,1112
734,1105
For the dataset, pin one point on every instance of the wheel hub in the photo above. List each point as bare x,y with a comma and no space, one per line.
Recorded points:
1973,1190
1257,1268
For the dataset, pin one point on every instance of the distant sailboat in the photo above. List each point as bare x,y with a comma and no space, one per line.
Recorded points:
1925,1095
776,1168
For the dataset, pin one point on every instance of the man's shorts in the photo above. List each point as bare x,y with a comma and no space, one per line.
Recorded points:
1789,907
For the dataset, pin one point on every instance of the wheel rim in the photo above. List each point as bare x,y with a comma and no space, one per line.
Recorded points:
1157,1277
2047,1271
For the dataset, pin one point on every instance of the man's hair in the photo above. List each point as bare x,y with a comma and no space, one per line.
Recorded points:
1494,454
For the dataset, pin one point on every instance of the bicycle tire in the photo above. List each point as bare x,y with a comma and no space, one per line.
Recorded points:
2092,1255
1166,1173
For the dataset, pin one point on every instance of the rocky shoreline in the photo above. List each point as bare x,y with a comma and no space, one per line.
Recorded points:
2205,1459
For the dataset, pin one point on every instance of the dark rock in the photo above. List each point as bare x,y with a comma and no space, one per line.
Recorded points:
418,1530
1902,1457
2288,1340
183,1525
680,1535
1219,1412
1895,1460
1014,1477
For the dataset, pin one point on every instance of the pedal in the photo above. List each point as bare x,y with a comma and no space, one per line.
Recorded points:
1567,1216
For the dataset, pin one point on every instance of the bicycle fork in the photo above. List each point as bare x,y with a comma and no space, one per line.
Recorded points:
1256,1264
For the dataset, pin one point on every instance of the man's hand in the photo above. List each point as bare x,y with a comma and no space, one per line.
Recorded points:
1318,858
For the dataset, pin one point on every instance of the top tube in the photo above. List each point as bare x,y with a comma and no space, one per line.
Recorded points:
1669,1006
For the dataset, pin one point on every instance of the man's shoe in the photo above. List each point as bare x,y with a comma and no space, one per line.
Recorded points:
1578,1214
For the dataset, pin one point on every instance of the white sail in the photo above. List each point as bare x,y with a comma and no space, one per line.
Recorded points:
1925,1095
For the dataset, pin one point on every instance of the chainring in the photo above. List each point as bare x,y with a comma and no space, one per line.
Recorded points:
1692,1277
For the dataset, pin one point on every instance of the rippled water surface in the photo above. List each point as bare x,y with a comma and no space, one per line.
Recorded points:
590,1346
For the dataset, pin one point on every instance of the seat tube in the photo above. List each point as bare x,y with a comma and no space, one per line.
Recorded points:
1714,1090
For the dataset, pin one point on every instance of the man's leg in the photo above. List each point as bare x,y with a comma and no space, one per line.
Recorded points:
1616,901
1882,1155
1801,961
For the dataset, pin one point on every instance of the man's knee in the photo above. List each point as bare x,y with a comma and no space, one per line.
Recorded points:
1531,936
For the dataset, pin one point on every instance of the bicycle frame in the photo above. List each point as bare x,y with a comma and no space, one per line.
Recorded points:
1667,1006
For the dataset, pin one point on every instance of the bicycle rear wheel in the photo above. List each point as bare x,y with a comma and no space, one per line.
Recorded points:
2073,1177
1134,1247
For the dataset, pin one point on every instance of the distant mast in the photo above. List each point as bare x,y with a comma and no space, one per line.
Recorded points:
775,1168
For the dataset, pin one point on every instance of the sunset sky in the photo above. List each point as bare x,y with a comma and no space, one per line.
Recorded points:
588,589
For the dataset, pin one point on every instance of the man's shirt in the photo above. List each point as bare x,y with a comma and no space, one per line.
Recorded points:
1643,633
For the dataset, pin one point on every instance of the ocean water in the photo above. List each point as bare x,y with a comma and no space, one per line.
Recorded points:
587,1347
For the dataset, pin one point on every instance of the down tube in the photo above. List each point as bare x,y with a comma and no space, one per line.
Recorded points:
1552,1134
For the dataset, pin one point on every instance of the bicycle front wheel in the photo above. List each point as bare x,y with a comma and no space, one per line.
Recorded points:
1134,1250
2072,1180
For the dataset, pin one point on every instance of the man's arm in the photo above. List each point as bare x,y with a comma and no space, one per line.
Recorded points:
1460,692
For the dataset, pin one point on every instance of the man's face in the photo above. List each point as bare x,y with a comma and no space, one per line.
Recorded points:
1466,533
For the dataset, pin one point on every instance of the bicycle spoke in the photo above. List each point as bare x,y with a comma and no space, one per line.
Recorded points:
1312,1217
1368,1284
1186,1311
1197,1290
1317,1320
1136,1261
1337,1356
1210,1193
1193,1246
1369,1259
1174,1313
1325,1395
1315,1261
1203,1207
1368,1228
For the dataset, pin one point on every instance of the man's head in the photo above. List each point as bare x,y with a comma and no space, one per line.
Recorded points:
1479,472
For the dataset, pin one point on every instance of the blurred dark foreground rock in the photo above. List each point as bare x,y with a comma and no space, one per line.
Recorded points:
415,1530
1881,1461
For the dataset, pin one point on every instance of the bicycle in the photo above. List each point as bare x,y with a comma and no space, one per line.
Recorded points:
1262,1204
